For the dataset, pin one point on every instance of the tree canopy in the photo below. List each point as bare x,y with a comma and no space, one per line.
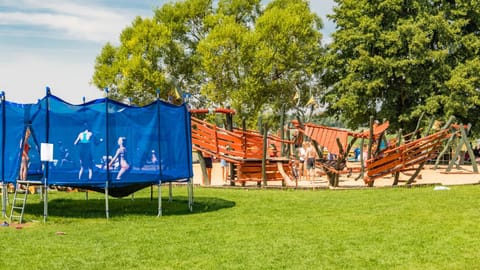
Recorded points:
233,53
397,59
391,59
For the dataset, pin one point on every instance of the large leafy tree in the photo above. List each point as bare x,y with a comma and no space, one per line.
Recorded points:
227,54
257,64
156,53
288,48
233,53
396,59
462,95
133,67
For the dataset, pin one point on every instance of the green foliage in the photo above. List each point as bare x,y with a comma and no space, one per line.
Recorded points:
398,59
384,228
234,54
155,54
391,59
134,67
258,66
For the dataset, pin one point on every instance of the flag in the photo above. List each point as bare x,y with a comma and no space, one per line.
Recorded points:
177,93
311,101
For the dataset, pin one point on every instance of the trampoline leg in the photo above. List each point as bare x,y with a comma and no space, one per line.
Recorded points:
45,191
4,200
45,202
159,214
170,196
190,194
106,200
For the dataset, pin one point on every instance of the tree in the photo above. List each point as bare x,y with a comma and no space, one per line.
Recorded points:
462,95
394,59
226,55
258,64
288,47
234,55
133,70
155,53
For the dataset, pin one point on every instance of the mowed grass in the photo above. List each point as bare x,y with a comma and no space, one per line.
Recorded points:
379,228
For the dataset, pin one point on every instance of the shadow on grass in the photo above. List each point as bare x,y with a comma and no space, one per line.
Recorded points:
95,208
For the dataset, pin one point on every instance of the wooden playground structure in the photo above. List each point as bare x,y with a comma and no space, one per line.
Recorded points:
256,157
245,151
339,143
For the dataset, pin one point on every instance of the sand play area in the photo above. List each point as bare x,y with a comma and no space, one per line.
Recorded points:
457,176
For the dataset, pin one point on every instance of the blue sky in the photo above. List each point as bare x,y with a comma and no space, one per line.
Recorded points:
54,43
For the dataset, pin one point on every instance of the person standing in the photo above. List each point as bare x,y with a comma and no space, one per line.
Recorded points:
302,157
85,151
224,165
25,157
310,158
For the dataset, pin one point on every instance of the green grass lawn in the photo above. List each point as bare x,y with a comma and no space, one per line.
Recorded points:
379,228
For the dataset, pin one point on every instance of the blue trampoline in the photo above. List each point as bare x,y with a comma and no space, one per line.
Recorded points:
102,145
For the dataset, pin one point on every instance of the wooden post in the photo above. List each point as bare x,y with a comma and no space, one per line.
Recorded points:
415,174
204,169
429,128
341,158
362,166
418,123
287,151
264,155
447,146
454,156
399,142
282,131
469,147
370,140
229,120
442,153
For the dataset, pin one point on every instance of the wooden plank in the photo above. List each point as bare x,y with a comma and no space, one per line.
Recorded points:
230,137
200,146
322,138
373,163
386,170
315,133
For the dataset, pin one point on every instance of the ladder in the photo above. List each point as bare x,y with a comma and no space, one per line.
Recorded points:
20,199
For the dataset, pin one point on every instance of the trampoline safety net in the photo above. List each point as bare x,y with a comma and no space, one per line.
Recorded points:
97,143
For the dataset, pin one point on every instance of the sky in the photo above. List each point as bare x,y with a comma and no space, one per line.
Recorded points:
54,43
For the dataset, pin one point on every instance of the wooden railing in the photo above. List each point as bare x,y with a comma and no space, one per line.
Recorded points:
234,146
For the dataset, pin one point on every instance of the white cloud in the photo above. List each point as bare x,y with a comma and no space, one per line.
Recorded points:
68,20
54,43
29,74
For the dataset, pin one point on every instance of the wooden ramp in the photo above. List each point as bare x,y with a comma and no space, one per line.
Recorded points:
405,157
